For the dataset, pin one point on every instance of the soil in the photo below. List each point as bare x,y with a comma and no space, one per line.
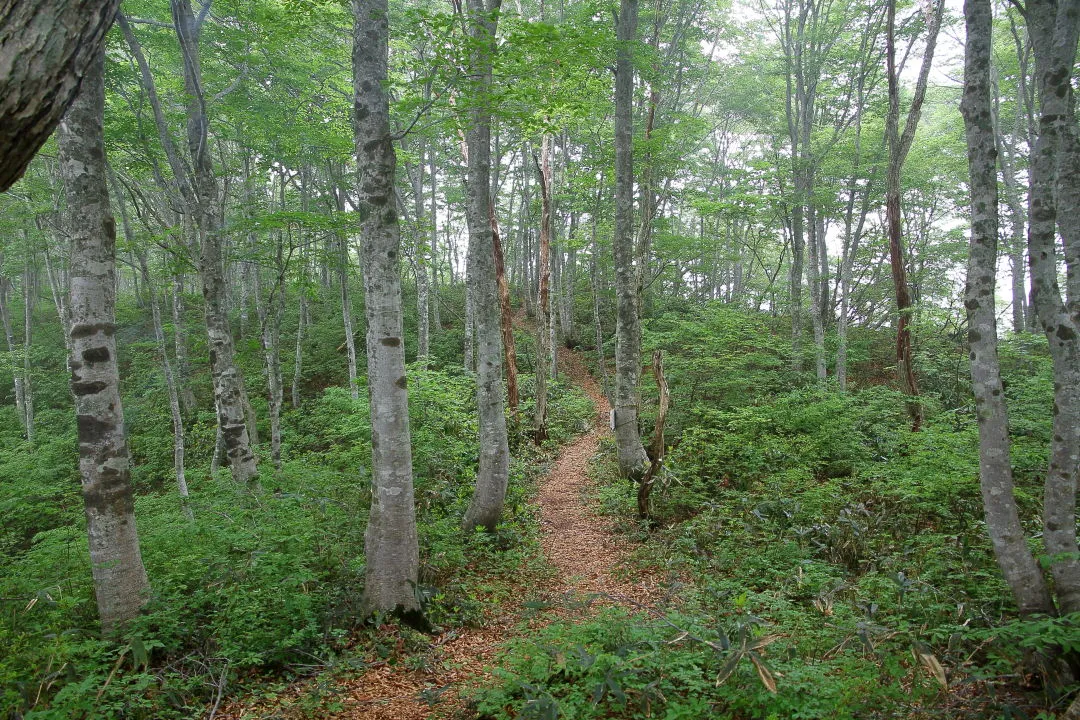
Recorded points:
588,561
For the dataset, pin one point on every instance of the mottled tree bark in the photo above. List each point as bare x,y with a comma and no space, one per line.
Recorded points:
1017,564
120,582
229,393
45,48
1054,27
492,475
631,451
390,544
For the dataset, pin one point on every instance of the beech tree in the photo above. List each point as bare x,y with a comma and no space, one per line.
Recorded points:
199,198
898,146
1053,201
1017,564
492,475
45,49
628,290
120,582
390,544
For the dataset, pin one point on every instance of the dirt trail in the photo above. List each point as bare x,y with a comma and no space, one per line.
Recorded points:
586,554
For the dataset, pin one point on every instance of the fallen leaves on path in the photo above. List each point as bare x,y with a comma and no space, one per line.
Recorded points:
589,560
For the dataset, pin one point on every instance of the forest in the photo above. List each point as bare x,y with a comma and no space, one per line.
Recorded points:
584,359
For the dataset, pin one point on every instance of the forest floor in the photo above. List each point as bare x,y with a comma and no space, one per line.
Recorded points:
588,567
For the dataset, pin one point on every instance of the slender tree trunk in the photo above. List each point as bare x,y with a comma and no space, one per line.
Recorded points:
9,336
1014,201
816,226
170,377
391,548
486,505
566,297
418,262
342,266
266,309
506,323
594,278
898,146
631,451
58,286
346,316
30,295
120,582
553,344
159,337
183,365
436,314
229,392
1054,28
543,297
470,331
298,356
995,471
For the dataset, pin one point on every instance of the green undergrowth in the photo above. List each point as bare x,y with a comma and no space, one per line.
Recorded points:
256,590
828,562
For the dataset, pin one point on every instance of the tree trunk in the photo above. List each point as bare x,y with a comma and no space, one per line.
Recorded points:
9,336
159,337
58,286
298,355
658,446
120,582
229,393
267,309
346,316
1014,201
817,301
30,295
631,452
183,365
552,344
436,314
391,548
566,296
506,324
594,278
417,258
1054,28
469,350
166,364
898,146
543,296
486,505
995,471
45,49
